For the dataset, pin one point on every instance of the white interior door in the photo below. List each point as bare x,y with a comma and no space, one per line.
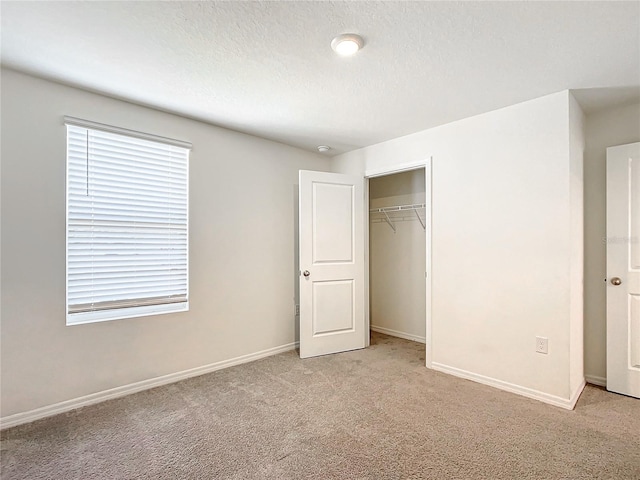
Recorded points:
623,269
332,293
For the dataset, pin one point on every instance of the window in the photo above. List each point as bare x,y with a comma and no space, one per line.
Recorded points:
127,223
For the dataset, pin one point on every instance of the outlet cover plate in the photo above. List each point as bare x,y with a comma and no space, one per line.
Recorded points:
542,345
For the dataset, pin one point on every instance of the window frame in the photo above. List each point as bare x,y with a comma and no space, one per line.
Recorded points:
133,311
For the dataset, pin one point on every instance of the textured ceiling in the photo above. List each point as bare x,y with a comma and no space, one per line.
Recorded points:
267,68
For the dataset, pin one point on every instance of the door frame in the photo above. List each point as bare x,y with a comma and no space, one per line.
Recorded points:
390,170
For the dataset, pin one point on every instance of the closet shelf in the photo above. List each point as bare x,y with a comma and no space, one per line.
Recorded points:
400,208
397,208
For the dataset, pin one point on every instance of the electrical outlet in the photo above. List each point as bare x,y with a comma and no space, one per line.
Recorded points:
542,345
297,309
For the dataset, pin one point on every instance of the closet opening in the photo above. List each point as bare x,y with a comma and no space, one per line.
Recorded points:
398,223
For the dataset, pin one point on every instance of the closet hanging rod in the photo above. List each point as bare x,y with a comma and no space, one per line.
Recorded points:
398,208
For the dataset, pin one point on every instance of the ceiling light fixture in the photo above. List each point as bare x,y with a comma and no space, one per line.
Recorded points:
347,44
323,148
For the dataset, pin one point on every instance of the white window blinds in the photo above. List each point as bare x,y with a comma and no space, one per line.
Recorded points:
127,225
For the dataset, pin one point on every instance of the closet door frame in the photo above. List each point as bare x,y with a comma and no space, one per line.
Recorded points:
381,172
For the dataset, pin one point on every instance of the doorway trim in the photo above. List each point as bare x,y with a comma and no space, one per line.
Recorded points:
390,170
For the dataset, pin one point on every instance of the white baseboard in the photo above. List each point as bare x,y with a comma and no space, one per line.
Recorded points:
576,395
511,387
67,405
396,333
594,380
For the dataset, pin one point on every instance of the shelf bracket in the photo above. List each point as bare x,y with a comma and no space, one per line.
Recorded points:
389,221
420,219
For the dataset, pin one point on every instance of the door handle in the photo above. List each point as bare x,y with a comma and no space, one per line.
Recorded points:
616,281
306,273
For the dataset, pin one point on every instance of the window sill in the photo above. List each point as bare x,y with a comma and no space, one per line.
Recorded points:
122,313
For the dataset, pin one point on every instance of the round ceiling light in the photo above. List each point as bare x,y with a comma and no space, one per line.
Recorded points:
323,148
347,44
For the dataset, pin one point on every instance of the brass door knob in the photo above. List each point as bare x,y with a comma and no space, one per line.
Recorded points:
616,281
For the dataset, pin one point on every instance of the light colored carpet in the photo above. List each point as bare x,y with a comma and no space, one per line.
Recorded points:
370,414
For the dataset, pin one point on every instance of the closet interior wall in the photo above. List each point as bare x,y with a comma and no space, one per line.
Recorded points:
397,257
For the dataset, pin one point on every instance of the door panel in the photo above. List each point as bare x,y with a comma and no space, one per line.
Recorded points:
634,330
333,307
634,205
623,269
333,207
332,290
